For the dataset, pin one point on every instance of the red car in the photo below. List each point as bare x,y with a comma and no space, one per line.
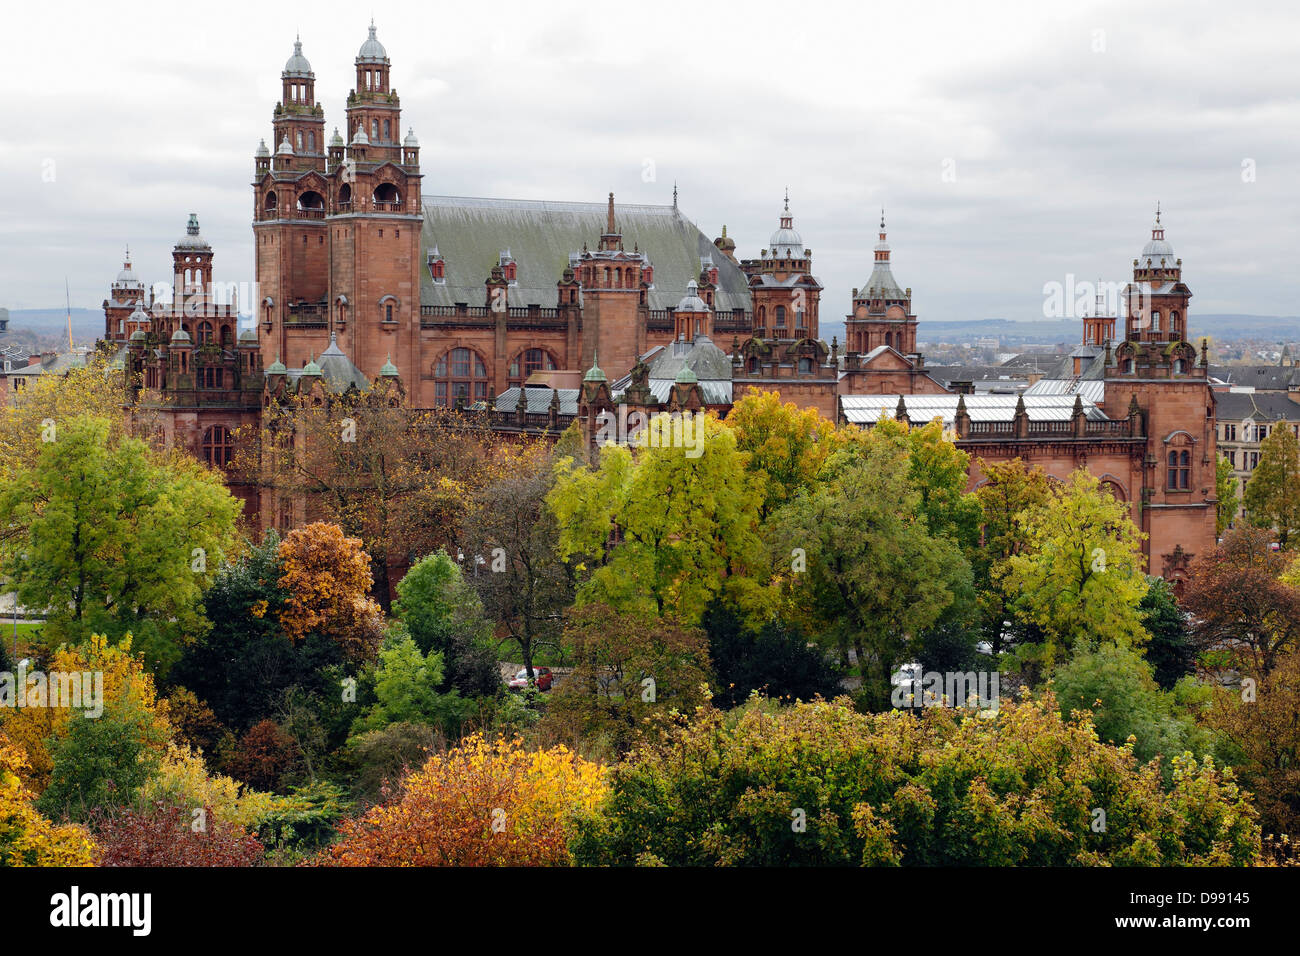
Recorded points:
542,677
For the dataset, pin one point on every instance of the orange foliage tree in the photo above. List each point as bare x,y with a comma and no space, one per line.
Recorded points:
484,803
326,576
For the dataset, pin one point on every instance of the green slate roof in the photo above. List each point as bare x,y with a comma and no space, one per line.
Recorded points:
470,235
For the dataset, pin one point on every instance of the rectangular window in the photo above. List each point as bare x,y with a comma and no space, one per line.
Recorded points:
440,393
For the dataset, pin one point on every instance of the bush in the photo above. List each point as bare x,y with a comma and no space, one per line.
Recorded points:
163,834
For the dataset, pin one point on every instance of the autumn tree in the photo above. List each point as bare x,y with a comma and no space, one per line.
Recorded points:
1262,735
1080,575
26,837
786,444
325,577
110,537
518,575
482,803
166,834
666,527
1272,496
1244,611
397,478
627,669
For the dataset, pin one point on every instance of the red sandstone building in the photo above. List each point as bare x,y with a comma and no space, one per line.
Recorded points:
523,307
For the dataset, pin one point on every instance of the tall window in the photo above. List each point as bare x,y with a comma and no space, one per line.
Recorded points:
210,377
1180,470
780,316
460,372
205,333
218,447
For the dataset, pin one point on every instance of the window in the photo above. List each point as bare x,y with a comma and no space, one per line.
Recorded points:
205,333
529,361
1229,432
218,448
388,312
374,130
780,316
1155,321
460,372
387,131
209,377
1180,470
1254,460
805,366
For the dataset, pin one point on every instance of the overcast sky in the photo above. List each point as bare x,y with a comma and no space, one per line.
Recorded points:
1012,144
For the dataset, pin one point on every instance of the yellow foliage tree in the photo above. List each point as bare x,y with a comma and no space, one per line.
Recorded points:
484,803
183,780
124,675
327,576
26,837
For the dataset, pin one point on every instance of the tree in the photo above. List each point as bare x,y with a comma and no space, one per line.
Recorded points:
1010,489
666,528
939,471
627,669
1262,735
397,478
325,577
1273,493
523,585
819,784
1244,613
406,688
264,755
875,577
444,615
1081,574
26,837
786,445
112,538
1225,490
775,660
379,760
483,803
1169,651
1116,686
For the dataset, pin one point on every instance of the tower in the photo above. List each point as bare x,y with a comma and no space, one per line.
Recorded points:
786,295
613,289
125,295
882,312
1156,372
1099,328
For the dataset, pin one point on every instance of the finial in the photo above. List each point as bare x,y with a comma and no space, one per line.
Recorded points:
674,194
882,218
609,216
787,198
1157,212
724,230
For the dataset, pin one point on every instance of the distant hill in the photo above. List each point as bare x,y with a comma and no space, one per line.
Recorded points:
87,324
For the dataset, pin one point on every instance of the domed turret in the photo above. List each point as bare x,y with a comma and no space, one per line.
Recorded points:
359,138
372,51
276,367
180,337
297,64
337,139
311,368
411,142
192,239
786,243
691,302
262,150
595,373
1158,247
389,370
286,148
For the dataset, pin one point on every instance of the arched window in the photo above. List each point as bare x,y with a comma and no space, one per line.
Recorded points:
218,447
527,362
300,141
205,333
311,141
387,193
270,201
460,372
1178,366
1174,324
387,131
780,316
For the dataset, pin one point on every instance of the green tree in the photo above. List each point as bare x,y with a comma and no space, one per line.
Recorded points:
775,659
1169,652
666,528
443,614
786,444
1225,490
1273,492
1081,576
406,688
110,537
875,577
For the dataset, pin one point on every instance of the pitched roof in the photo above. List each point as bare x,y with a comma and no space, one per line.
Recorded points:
470,234
1257,406
1274,377
868,409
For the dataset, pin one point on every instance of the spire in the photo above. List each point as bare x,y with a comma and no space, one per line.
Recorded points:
787,199
674,194
594,374
609,217
1157,231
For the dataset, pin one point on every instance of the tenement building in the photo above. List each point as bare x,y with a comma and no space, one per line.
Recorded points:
539,313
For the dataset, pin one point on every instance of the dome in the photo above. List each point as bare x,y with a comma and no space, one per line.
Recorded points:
139,315
725,242
360,138
248,335
297,64
1158,247
138,335
192,239
276,367
411,142
262,150
685,376
311,368
180,337
786,241
691,302
286,149
595,373
127,275
389,370
372,51
336,139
